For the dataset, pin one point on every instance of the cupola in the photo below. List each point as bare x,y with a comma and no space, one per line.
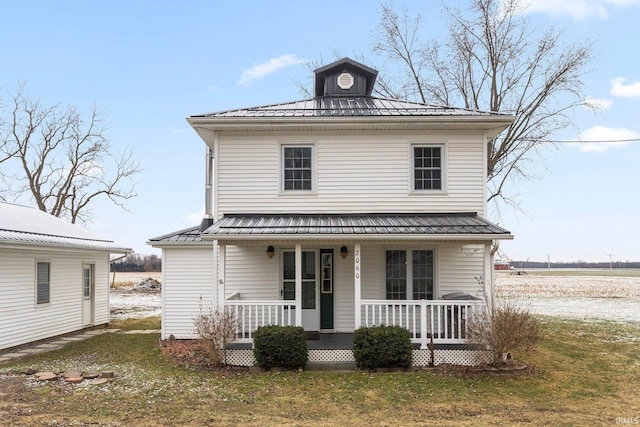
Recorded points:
344,77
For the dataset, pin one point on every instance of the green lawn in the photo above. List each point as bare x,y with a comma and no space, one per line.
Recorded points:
586,374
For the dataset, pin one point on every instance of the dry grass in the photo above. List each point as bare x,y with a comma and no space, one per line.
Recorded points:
586,374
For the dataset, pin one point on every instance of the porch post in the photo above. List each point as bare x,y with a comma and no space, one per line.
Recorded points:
216,294
488,274
298,285
222,264
358,290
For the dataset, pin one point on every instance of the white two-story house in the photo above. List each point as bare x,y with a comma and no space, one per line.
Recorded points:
338,211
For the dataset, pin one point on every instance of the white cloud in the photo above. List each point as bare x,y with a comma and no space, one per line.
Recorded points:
261,70
597,104
579,9
619,88
613,138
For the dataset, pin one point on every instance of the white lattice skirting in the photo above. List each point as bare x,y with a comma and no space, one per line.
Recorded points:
420,357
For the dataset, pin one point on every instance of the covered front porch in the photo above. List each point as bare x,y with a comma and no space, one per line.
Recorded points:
336,273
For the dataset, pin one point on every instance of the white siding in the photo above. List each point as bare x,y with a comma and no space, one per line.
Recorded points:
22,320
188,284
251,274
355,173
458,267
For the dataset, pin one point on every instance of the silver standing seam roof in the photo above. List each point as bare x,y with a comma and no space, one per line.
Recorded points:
365,226
350,106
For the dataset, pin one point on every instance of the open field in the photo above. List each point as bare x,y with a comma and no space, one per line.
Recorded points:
585,374
574,296
616,272
125,280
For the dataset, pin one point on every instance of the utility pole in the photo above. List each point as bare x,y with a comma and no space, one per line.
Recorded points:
548,262
610,263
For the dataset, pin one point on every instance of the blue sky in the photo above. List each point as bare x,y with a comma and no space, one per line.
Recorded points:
148,65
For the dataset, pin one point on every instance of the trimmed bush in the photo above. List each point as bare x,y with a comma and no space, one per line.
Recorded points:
382,347
281,346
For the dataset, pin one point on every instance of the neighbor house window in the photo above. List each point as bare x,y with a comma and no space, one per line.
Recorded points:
43,270
427,167
297,167
409,274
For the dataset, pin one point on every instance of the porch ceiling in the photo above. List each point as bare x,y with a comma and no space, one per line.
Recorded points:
440,226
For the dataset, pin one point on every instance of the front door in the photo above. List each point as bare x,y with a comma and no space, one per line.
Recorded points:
310,288
326,289
87,294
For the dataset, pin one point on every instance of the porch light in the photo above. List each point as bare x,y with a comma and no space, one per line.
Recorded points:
344,252
270,251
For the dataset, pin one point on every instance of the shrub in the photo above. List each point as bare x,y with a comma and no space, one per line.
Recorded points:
281,346
504,327
382,347
215,329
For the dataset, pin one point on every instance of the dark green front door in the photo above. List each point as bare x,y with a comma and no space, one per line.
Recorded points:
326,288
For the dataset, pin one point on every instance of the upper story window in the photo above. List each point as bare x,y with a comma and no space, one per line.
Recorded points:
42,282
428,167
297,169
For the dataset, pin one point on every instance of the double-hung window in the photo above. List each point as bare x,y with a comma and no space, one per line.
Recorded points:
297,167
43,270
409,274
428,172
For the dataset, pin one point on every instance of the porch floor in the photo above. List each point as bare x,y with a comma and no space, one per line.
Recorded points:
344,341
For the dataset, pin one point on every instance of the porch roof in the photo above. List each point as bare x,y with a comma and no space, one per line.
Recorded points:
370,226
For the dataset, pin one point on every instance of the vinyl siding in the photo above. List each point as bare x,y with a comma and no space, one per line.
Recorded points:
188,280
22,320
354,173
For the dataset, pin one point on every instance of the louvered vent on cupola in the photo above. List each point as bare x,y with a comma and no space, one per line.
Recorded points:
345,77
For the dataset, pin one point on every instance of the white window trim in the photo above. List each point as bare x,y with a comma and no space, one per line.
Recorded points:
35,283
409,250
314,168
443,165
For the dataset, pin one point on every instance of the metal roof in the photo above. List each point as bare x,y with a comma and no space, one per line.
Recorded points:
25,225
188,235
350,106
368,226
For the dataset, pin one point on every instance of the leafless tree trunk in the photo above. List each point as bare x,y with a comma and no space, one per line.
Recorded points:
493,59
61,160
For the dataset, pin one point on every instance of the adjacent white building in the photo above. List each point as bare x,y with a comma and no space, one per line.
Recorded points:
338,211
54,276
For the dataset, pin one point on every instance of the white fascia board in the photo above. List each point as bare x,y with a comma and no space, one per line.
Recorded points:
490,123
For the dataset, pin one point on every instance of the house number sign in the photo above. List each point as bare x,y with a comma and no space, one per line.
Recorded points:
357,261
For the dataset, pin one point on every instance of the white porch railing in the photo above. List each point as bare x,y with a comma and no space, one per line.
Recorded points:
252,314
445,321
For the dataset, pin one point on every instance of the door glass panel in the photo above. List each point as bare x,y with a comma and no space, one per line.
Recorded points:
86,282
327,285
308,278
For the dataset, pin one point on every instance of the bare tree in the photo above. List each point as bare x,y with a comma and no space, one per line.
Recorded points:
493,59
60,160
